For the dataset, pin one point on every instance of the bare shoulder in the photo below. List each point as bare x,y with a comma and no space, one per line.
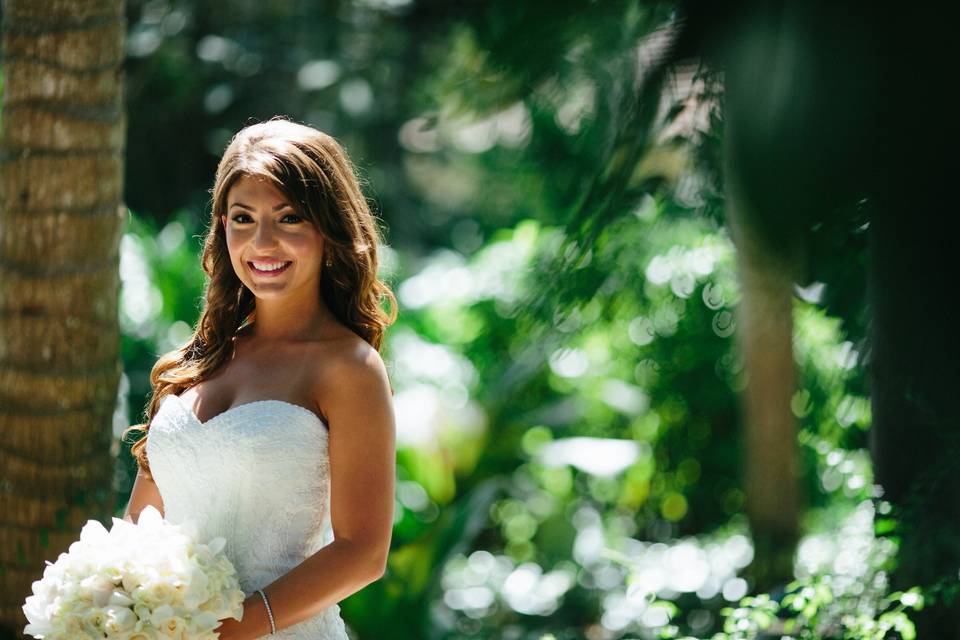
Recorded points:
350,372
353,357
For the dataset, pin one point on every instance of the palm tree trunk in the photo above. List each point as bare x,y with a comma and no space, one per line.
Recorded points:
765,338
61,220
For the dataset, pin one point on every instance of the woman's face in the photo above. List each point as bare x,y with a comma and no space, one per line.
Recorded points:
263,230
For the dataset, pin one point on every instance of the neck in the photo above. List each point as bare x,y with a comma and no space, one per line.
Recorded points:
286,319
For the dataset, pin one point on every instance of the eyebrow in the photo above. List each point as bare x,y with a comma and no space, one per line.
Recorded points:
278,207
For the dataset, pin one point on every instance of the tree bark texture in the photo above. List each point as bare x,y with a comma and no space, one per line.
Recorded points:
61,221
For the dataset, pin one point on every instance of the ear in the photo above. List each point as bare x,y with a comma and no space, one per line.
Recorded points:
223,221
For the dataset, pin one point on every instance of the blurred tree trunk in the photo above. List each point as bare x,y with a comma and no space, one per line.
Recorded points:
912,283
61,220
765,340
915,436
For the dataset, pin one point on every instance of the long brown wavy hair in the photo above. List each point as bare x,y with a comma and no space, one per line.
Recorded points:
313,171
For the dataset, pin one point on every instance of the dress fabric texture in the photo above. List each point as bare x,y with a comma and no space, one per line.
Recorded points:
258,475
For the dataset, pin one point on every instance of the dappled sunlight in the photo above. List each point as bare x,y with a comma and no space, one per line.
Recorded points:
420,360
433,403
641,579
140,301
596,456
636,577
681,266
850,551
569,363
318,74
477,584
510,127
447,278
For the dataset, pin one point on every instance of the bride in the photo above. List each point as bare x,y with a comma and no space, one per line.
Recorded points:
273,425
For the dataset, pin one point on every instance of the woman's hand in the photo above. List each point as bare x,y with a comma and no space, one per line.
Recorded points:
254,623
230,629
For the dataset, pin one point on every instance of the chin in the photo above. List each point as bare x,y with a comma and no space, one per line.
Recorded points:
269,292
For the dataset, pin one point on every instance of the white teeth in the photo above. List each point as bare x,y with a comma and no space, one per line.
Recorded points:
266,266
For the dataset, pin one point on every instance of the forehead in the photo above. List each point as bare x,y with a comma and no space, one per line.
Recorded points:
248,189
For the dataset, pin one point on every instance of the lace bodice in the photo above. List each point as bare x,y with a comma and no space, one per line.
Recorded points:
258,475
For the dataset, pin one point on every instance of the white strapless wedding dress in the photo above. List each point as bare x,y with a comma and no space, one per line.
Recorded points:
258,475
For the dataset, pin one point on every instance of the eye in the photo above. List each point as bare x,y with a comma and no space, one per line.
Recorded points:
238,218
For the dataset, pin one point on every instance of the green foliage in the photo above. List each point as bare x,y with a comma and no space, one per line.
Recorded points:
809,612
849,599
581,373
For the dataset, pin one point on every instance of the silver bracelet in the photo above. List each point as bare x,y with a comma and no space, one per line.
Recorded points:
273,627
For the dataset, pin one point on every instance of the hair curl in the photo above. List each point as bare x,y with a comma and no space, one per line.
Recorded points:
313,171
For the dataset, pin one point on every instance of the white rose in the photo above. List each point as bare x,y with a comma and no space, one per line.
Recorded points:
157,593
216,605
150,518
120,599
95,618
203,622
143,612
93,533
197,588
131,581
38,612
72,624
99,589
174,627
120,621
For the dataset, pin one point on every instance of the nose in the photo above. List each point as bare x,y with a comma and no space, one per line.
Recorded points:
265,236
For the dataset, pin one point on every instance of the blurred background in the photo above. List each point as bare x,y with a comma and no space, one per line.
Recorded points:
674,356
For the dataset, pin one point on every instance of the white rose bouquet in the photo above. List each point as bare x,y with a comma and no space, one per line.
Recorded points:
146,581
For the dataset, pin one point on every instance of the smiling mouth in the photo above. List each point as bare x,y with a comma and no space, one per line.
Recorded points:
269,272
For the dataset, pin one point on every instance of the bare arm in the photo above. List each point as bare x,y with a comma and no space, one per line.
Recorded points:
144,493
362,467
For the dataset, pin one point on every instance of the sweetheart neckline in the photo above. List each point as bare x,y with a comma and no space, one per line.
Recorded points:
183,405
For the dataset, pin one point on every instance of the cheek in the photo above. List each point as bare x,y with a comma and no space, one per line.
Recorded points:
305,247
231,244
237,235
